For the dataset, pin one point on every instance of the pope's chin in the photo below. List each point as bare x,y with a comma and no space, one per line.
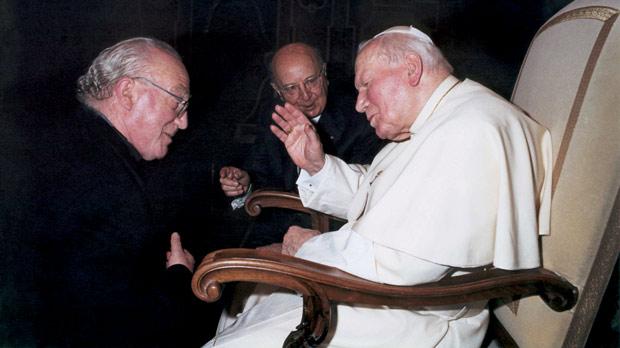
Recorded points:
381,133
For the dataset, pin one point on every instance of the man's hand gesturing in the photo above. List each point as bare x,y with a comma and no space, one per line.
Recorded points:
234,181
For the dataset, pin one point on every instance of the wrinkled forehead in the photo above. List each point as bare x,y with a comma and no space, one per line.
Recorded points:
366,55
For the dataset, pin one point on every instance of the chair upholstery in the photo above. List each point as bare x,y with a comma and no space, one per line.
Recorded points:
570,83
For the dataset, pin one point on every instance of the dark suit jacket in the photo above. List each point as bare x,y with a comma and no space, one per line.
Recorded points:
343,132
100,259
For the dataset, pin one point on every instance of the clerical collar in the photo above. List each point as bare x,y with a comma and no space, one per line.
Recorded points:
431,104
315,119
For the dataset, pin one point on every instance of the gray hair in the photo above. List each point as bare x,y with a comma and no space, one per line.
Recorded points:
126,58
395,46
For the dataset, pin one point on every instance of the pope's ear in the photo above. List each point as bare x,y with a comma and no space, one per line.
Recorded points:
124,92
414,65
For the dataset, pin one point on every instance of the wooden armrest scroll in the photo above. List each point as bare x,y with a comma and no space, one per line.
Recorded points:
320,285
260,199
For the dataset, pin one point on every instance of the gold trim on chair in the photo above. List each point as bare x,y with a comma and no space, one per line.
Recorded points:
600,13
608,16
581,93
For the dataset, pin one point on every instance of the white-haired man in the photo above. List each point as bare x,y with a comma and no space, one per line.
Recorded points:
99,255
464,183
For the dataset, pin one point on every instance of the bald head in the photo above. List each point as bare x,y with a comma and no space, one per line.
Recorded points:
295,49
298,76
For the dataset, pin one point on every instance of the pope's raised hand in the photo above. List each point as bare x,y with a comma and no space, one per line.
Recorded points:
299,137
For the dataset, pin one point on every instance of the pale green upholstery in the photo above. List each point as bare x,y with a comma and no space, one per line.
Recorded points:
570,83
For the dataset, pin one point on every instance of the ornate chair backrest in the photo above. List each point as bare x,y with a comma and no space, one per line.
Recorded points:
570,83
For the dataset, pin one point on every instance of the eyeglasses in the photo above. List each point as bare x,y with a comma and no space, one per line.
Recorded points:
182,104
311,83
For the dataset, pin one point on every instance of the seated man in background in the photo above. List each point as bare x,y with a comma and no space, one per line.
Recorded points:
463,183
299,78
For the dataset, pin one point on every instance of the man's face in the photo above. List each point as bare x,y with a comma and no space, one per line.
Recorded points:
382,95
155,116
300,80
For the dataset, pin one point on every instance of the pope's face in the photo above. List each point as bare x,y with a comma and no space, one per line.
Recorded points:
154,119
300,80
382,94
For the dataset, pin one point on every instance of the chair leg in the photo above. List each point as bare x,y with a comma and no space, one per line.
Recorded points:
497,335
314,324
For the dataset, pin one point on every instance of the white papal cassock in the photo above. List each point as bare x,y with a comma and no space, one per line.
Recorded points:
470,188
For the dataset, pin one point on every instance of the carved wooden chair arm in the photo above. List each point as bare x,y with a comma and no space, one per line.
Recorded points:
321,285
262,198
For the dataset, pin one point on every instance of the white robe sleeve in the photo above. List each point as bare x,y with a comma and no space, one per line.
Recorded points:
331,190
352,253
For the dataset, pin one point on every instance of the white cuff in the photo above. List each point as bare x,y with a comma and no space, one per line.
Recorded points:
308,182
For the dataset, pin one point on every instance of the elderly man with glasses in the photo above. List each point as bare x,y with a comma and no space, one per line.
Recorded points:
99,255
299,78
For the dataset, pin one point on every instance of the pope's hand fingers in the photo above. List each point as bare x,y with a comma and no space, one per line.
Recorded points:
294,115
284,124
311,133
278,133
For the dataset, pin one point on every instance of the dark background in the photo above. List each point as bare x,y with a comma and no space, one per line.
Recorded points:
226,46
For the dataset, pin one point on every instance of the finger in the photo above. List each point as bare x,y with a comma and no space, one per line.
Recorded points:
311,133
189,256
281,121
240,174
229,182
283,113
278,133
223,172
295,115
175,243
168,254
231,189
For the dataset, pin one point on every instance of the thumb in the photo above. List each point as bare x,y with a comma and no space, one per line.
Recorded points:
175,243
